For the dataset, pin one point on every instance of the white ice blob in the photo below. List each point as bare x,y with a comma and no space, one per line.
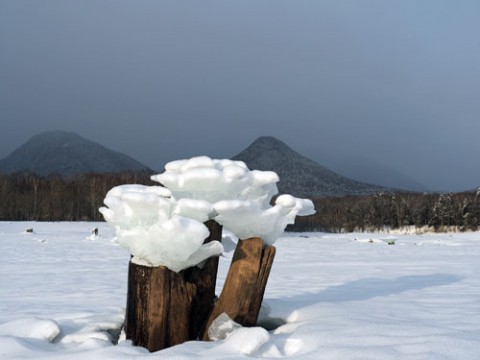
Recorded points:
216,180
163,225
195,209
158,230
246,219
235,337
240,197
222,327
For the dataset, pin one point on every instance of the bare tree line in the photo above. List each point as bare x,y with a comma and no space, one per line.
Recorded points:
440,212
26,196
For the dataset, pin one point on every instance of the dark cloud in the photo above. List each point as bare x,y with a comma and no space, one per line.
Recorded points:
397,81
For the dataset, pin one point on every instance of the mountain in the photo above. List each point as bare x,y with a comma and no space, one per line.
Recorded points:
369,171
66,153
299,175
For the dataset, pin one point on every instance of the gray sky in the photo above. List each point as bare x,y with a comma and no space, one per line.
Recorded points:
394,81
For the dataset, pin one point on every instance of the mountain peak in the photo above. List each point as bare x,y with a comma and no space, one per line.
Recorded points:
269,143
56,134
66,153
299,175
268,140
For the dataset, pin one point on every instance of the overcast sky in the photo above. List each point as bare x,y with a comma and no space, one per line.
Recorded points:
397,82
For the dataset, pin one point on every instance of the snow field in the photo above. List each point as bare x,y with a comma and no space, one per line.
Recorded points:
63,292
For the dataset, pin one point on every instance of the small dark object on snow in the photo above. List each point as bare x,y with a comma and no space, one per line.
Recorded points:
95,231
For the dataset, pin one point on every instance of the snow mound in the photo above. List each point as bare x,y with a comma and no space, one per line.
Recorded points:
246,340
237,338
31,328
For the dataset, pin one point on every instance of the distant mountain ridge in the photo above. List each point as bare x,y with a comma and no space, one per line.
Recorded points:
299,175
369,171
66,154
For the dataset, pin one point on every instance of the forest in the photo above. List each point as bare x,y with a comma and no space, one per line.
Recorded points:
26,196
436,211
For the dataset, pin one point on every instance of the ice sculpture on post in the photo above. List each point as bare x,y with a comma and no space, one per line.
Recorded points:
163,228
165,237
241,200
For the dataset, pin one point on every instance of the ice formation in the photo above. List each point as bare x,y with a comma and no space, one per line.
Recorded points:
244,340
155,228
163,225
222,327
240,197
246,219
215,180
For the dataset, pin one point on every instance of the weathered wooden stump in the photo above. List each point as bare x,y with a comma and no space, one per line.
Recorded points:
158,307
244,287
165,308
204,280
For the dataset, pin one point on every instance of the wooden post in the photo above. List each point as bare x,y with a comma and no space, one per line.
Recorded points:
204,280
165,308
244,287
158,307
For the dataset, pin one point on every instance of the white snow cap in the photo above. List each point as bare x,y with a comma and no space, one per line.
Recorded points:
155,228
241,197
246,219
215,180
164,225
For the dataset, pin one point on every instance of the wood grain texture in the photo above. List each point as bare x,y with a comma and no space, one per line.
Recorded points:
204,281
165,308
158,307
244,287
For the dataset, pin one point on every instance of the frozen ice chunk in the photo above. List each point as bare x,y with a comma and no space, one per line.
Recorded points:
240,197
215,180
236,337
163,225
212,248
247,219
120,190
222,327
293,207
155,228
137,205
195,209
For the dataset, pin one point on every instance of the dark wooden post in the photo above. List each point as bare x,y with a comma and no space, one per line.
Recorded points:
165,308
158,307
204,280
244,287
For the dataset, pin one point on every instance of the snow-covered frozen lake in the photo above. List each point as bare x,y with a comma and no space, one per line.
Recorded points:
346,296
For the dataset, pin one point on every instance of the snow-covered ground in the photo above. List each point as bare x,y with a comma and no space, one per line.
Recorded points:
348,296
